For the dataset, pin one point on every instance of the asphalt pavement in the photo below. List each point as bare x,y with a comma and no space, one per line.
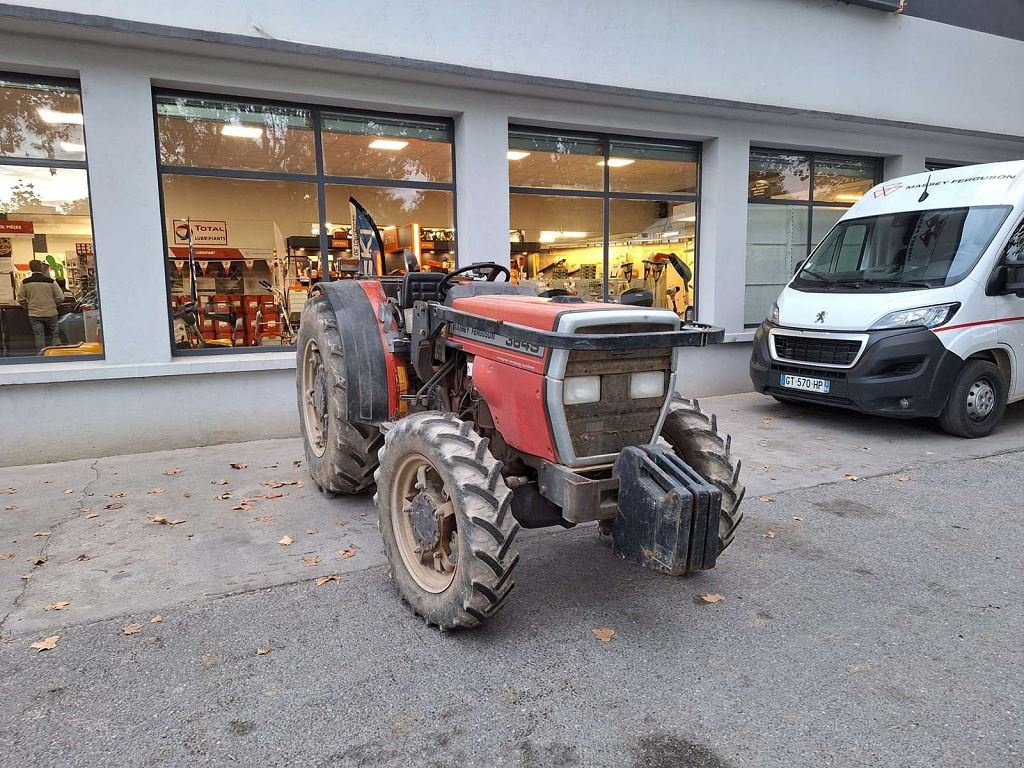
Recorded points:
873,621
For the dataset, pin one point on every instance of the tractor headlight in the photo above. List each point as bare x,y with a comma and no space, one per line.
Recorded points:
929,317
647,384
581,389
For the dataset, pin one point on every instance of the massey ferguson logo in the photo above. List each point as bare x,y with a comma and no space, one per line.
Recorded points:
887,189
821,317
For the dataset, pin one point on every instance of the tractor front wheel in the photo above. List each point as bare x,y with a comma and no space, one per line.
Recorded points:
445,515
694,436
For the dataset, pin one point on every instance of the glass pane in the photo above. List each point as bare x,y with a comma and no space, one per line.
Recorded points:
48,295
414,223
653,246
776,242
652,168
241,232
822,220
555,162
386,148
779,176
207,133
843,179
558,242
43,121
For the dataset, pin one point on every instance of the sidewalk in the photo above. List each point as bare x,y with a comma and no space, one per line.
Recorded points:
143,533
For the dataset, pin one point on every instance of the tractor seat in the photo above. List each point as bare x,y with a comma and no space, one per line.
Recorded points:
420,286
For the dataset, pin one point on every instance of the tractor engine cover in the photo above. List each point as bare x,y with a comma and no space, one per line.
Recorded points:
668,514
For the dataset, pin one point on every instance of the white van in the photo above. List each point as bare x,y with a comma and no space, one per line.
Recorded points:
913,305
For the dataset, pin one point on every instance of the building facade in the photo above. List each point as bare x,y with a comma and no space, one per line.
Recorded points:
155,155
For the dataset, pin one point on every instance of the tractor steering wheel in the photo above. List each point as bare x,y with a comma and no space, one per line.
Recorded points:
493,270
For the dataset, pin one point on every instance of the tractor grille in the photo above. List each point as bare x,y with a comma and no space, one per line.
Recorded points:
811,350
617,421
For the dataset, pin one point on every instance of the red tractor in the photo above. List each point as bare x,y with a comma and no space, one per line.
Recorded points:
474,406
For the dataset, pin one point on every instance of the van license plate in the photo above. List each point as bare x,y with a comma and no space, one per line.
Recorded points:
821,386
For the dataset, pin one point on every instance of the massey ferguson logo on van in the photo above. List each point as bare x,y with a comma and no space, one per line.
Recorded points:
203,232
887,189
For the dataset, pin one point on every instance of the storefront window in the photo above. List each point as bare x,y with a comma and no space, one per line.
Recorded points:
49,303
598,216
794,200
253,217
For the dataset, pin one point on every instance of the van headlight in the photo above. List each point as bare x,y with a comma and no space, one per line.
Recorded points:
773,315
647,384
581,389
927,317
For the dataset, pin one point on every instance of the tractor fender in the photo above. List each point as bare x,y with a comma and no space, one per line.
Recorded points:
368,364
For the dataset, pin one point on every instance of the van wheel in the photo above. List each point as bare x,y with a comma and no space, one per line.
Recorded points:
977,400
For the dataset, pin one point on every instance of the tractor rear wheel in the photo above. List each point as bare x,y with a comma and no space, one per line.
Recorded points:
445,515
694,436
341,455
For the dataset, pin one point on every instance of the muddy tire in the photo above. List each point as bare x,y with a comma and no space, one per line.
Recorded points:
445,515
977,400
694,436
341,455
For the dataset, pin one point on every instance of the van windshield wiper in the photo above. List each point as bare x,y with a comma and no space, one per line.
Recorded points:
902,283
828,281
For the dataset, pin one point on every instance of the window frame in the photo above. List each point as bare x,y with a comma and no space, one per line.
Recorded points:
80,165
606,140
319,178
810,203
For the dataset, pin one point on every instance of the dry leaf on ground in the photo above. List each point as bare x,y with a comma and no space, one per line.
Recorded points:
798,519
711,597
848,476
119,495
9,507
903,477
223,496
6,555
244,506
173,472
91,515
766,499
239,466
264,518
311,531
156,619
114,505
768,535
219,482
251,499
263,650
310,560
8,491
82,557
341,523
46,645
281,483
68,491
767,420
296,464
348,552
41,533
269,466
286,541
131,629
155,491
275,495
187,494
603,634
85,509
27,576
324,579
60,605
38,560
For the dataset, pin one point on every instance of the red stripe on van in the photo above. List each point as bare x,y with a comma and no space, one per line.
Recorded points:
980,322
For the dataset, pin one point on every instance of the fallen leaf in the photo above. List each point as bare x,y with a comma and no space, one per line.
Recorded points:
311,531
281,483
798,519
119,495
8,491
244,507
903,477
711,597
172,472
341,523
850,477
930,453
38,560
286,541
310,560
27,576
239,466
768,535
345,554
264,518
92,515
324,579
156,619
68,491
9,507
158,519
177,522
85,509
223,496
58,606
269,466
41,533
47,482
6,555
275,495
131,629
83,557
114,505
155,491
46,645
263,650
251,499
604,635
766,499
296,464
187,494
219,482
767,420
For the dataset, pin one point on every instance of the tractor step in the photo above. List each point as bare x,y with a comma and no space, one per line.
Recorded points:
668,514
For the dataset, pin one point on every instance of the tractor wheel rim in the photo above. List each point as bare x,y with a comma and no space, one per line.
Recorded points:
424,522
981,400
314,399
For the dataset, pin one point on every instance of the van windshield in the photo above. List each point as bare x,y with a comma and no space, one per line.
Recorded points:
905,250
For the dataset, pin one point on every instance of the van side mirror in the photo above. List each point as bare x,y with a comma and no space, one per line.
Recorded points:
1006,280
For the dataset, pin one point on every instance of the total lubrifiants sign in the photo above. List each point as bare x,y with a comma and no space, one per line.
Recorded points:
202,232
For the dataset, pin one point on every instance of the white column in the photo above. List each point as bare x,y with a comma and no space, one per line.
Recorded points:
723,231
130,258
481,183
911,161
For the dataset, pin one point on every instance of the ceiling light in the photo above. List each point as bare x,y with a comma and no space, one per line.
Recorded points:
549,236
847,198
55,117
242,131
517,154
670,233
72,148
617,162
688,218
392,145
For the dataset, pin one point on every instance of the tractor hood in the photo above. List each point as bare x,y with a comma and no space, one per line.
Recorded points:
551,314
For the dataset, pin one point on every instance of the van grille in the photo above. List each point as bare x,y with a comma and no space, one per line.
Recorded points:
811,350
